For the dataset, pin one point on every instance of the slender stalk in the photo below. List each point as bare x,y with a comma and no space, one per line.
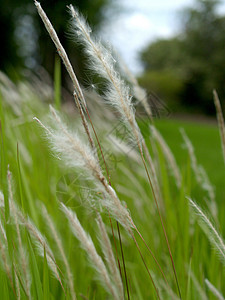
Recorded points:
84,121
139,250
61,51
138,232
109,256
124,266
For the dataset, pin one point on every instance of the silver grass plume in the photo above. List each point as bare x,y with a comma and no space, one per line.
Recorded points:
77,154
103,64
118,93
138,92
210,231
88,245
214,290
59,244
220,121
110,259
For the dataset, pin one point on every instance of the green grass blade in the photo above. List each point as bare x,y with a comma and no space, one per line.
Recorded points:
5,289
35,271
46,294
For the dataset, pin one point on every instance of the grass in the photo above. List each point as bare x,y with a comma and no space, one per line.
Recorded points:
206,141
44,179
53,244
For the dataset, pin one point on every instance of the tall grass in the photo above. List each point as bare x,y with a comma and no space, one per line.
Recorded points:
88,210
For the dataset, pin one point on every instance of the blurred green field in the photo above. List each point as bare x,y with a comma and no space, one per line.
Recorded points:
207,144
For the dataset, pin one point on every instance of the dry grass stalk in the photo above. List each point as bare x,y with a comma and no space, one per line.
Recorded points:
220,121
84,121
61,51
88,246
78,94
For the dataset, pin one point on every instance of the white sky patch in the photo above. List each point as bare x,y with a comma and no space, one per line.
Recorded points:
139,22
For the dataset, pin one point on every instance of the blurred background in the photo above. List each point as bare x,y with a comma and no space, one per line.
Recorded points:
176,48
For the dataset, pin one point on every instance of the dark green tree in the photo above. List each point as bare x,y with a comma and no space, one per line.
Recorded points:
24,41
195,57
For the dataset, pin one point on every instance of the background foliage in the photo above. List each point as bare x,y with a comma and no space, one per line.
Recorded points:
186,68
24,41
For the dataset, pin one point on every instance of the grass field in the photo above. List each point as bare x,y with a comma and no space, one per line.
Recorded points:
39,177
206,141
95,204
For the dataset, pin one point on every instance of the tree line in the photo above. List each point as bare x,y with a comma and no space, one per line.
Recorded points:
184,69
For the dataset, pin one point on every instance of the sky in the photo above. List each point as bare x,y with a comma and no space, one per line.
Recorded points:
138,22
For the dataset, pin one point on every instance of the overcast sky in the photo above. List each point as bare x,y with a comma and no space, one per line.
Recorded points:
140,21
